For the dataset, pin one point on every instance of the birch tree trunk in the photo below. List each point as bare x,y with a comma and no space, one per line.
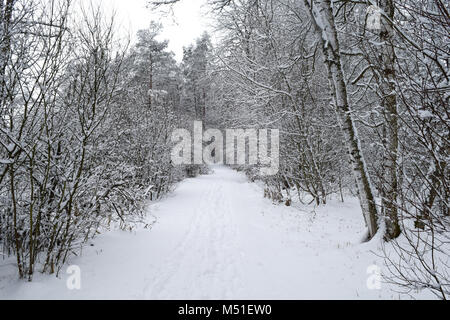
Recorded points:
389,104
322,16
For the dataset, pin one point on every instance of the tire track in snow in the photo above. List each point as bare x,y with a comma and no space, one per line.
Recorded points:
185,269
206,261
155,289
222,266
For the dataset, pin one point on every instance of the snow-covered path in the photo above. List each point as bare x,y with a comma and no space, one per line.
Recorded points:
216,237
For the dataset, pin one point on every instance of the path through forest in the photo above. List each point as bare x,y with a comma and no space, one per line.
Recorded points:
216,237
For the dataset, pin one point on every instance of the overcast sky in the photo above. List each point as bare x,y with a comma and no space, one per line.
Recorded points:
181,29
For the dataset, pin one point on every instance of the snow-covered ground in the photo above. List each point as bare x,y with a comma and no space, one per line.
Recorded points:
216,237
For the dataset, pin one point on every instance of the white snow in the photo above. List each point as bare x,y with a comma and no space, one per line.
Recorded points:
6,161
216,237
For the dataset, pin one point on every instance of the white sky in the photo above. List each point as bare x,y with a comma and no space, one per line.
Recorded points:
186,24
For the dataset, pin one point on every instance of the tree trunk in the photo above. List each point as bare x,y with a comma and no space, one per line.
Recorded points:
389,104
323,19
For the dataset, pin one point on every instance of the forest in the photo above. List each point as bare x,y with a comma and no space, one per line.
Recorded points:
358,89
